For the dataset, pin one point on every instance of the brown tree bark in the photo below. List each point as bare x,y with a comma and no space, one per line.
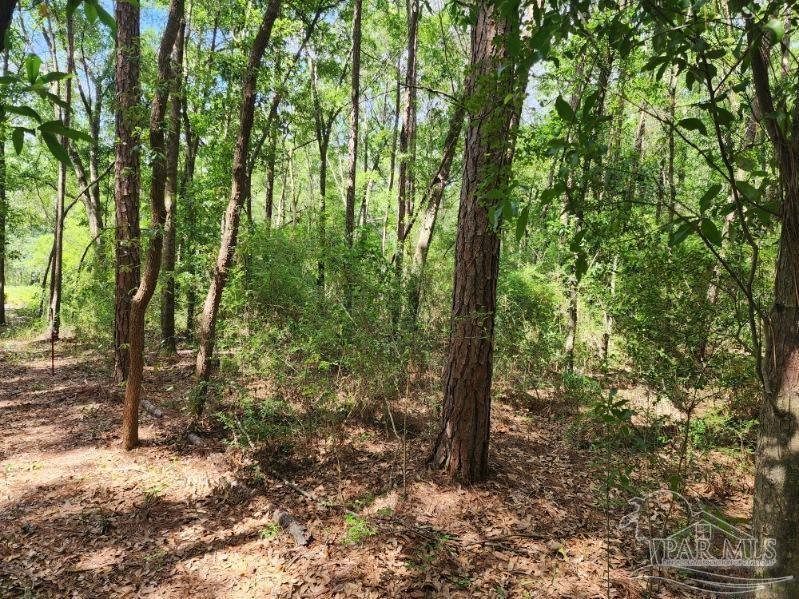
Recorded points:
126,178
169,249
6,16
435,192
462,443
3,202
3,210
407,139
775,512
56,276
355,100
146,288
230,226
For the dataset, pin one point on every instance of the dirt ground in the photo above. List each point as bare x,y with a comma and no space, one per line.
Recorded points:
80,517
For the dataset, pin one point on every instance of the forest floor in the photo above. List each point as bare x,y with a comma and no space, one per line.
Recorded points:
80,517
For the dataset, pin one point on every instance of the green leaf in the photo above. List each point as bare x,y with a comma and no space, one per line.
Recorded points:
54,76
56,149
710,231
750,192
105,18
24,111
776,28
693,124
58,128
724,116
18,137
581,266
681,233
521,222
90,9
71,6
563,109
32,65
712,192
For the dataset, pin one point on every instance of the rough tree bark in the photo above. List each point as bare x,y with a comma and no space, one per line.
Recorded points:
169,249
775,512
462,443
126,177
146,288
230,225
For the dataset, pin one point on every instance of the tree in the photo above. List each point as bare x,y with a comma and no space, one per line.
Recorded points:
169,250
355,101
407,138
146,288
461,447
775,512
126,178
238,193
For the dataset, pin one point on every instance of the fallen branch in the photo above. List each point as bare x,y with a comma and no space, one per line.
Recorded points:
300,534
152,409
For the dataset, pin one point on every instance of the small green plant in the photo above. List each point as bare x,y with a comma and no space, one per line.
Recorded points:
270,531
358,529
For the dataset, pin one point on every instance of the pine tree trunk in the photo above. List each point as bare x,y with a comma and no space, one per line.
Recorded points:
152,265
126,179
169,250
230,226
462,444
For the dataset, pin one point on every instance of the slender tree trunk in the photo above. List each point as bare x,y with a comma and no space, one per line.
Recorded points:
126,178
355,100
407,139
56,277
169,250
230,226
435,192
192,144
146,289
6,16
3,203
395,128
269,197
462,444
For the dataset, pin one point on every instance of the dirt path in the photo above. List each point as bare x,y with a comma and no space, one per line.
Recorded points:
80,517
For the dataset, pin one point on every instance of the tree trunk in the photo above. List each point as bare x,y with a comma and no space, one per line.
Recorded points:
171,200
435,192
407,139
230,226
126,178
3,202
355,99
775,514
56,277
269,198
462,444
187,248
146,289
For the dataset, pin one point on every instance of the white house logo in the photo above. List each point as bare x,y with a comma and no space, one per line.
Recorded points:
694,549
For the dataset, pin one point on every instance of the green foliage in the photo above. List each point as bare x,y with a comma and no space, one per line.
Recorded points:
528,338
358,529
